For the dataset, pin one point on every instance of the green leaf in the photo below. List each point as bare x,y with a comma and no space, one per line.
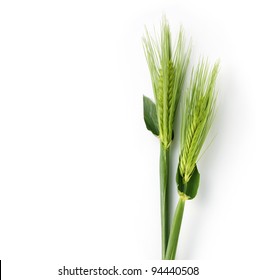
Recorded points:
191,187
150,115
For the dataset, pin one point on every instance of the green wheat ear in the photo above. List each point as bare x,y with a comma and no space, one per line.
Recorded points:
167,66
197,116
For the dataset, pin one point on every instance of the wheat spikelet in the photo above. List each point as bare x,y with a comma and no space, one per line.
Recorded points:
171,97
160,106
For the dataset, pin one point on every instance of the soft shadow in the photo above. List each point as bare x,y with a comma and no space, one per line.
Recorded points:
208,163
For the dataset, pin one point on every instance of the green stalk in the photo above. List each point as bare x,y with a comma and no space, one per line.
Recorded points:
175,230
164,186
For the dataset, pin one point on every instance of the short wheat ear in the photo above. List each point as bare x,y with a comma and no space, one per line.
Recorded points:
197,116
167,65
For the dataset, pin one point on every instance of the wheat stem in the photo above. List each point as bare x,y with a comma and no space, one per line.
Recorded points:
164,187
175,230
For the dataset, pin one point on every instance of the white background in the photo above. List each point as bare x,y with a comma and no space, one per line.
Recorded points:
78,169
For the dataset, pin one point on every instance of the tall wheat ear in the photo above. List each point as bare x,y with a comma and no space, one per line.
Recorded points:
167,64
